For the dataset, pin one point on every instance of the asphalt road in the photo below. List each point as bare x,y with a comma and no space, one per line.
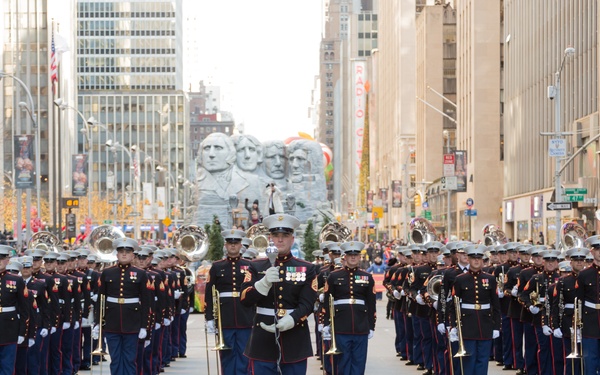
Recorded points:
381,357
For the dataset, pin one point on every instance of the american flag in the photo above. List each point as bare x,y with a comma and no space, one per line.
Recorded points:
53,66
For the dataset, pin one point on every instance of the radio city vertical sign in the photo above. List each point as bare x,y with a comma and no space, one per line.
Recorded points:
359,104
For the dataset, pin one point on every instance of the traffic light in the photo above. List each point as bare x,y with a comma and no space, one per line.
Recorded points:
418,199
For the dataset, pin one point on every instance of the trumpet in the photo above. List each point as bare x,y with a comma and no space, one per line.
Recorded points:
461,345
577,324
99,351
534,297
334,349
220,345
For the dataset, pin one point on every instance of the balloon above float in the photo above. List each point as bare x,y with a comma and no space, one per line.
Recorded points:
327,153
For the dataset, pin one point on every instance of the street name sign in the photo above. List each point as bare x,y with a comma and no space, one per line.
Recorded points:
558,206
576,190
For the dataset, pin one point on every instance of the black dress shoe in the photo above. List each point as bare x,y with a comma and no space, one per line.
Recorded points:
173,359
507,367
85,368
95,363
428,372
182,356
420,367
521,371
498,363
403,358
410,363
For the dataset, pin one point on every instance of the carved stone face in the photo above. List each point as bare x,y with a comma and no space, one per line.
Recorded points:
247,155
275,162
298,162
215,153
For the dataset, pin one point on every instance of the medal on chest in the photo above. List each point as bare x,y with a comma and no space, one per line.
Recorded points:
295,273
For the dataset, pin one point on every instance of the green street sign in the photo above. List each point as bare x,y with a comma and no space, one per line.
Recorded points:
576,191
109,222
574,198
412,214
376,220
428,215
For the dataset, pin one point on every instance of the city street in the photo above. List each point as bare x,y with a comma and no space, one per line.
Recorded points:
382,356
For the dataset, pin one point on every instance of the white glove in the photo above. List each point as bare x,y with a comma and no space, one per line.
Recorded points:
495,334
183,311
167,322
85,322
402,293
326,335
547,330
441,328
146,343
143,333
94,297
397,294
271,276
558,333
286,323
96,332
156,326
210,326
419,300
578,334
191,310
435,304
76,325
52,330
514,291
30,343
177,294
66,325
500,293
320,327
321,297
371,334
43,332
534,309
20,340
453,335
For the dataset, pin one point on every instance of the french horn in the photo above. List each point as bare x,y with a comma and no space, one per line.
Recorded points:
191,241
335,232
492,235
101,240
421,231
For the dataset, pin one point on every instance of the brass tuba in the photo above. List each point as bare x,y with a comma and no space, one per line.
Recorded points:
492,235
101,241
335,232
191,241
45,241
572,235
259,235
434,287
421,231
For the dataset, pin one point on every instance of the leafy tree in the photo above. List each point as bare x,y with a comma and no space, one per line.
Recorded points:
215,240
310,242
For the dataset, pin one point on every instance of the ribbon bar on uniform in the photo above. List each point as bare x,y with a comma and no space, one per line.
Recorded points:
122,301
592,305
349,301
271,312
4,309
229,294
477,306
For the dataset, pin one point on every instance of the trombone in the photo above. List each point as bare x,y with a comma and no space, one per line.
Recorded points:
577,324
220,345
461,345
99,351
334,349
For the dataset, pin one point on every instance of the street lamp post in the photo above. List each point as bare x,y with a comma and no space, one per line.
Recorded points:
446,134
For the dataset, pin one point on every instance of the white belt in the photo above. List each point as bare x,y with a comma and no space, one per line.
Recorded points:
542,299
271,312
72,300
7,309
470,306
121,301
229,294
569,305
60,300
592,305
349,301
156,298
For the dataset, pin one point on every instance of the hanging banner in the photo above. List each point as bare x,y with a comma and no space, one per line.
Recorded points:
80,175
359,94
383,195
460,170
24,162
396,193
370,195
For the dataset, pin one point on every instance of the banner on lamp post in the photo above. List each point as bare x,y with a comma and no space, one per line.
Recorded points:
79,175
396,193
370,195
24,165
383,195
460,170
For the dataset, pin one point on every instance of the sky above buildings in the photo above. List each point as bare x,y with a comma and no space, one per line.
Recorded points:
264,54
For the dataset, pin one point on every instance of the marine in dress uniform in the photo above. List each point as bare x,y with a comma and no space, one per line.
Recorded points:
396,314
335,255
397,280
84,303
563,305
415,356
14,267
90,288
535,298
162,320
53,308
353,294
186,307
284,295
127,308
226,276
14,313
480,317
587,289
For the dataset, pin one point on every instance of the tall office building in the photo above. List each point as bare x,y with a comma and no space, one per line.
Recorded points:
130,79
